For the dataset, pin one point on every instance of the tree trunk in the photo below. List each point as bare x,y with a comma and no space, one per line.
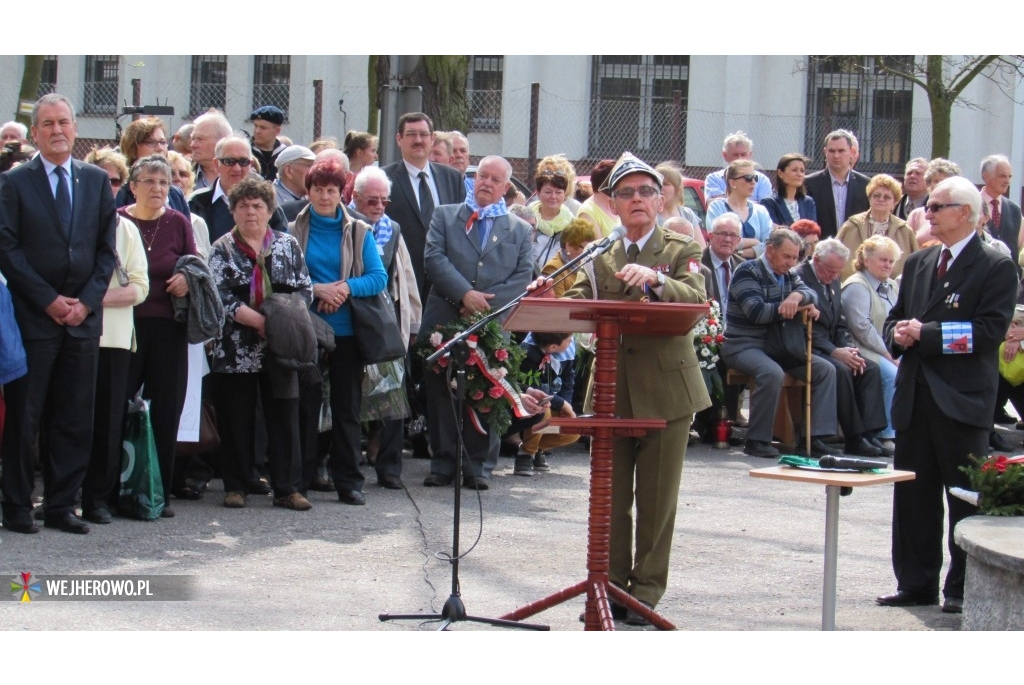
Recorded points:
29,85
443,78
940,104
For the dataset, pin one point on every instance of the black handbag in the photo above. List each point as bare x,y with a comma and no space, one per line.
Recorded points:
375,328
374,323
786,343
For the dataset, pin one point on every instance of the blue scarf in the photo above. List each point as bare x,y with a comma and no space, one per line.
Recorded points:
490,211
382,230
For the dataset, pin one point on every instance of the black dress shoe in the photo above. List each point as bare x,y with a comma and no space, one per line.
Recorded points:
23,525
901,598
999,443
321,484
187,492
475,483
437,480
259,486
390,482
759,448
635,619
953,605
820,448
99,515
167,512
862,448
67,522
886,451
351,497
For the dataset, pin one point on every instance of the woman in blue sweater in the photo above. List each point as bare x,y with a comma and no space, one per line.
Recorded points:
343,260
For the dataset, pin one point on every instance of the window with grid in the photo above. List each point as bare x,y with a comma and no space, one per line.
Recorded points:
856,93
633,106
272,83
101,83
208,86
486,79
48,76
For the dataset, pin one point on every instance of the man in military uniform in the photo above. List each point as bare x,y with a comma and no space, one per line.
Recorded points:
658,377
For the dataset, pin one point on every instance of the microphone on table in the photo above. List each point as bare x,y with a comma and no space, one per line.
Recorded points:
832,462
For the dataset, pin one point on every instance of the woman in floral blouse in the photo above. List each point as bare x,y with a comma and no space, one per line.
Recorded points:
250,263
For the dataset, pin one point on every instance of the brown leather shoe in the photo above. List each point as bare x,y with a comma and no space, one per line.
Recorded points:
294,501
234,500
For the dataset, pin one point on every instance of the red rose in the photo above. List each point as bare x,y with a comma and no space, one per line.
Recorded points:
501,355
478,395
719,338
495,392
707,340
997,463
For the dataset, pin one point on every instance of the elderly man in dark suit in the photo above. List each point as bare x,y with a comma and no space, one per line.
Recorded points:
859,401
953,310
418,186
478,257
839,192
57,223
1005,215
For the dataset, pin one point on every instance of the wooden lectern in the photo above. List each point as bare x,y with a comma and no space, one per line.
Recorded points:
608,319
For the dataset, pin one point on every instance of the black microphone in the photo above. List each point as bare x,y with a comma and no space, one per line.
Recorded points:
618,233
832,462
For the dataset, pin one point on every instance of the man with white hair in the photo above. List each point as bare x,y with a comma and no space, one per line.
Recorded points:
1005,215
952,312
735,146
859,402
478,257
208,130
839,192
13,132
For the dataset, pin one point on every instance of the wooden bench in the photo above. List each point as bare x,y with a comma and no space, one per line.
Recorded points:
791,404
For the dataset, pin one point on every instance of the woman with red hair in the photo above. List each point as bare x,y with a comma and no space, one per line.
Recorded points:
810,233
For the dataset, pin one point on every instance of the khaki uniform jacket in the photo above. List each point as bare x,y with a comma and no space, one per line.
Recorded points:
658,377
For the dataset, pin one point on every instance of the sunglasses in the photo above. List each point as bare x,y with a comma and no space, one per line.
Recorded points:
115,183
628,193
375,201
232,161
749,178
935,207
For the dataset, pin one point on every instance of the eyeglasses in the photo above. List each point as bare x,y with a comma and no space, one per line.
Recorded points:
724,236
628,193
115,183
159,182
375,201
417,134
232,161
154,143
881,196
749,178
935,207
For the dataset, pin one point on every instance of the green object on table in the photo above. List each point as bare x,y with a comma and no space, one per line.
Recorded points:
811,464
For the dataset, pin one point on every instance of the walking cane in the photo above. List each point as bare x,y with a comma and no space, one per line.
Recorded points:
808,322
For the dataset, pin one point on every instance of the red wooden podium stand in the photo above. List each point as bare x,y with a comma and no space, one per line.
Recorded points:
609,319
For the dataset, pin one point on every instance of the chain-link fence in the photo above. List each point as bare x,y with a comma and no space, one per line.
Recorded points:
533,123
522,124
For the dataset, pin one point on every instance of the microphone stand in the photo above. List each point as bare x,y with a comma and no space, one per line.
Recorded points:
457,349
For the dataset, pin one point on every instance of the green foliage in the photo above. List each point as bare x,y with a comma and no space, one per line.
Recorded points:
503,359
999,483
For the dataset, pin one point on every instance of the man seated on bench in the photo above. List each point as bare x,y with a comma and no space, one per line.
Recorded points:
764,291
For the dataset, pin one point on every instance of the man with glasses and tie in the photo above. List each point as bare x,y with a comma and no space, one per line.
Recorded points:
478,258
419,186
722,261
233,163
955,303
57,223
658,377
